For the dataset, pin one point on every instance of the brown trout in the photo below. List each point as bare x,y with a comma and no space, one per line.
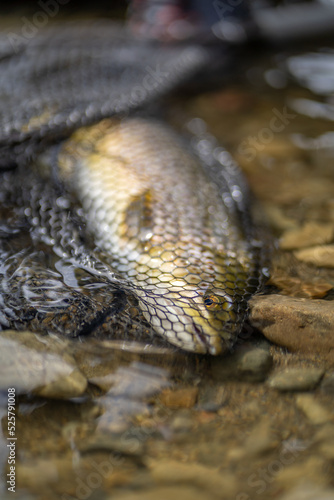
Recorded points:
174,236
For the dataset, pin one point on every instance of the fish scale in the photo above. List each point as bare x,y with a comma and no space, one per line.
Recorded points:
174,234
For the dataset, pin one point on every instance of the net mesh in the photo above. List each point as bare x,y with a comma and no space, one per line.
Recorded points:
74,74
190,285
89,249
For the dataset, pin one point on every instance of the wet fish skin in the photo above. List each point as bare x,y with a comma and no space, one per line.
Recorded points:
171,233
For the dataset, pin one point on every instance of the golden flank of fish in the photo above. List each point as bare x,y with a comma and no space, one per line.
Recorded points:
153,208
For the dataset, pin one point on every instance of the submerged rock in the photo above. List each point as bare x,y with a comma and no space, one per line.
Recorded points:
248,362
308,235
180,398
204,478
321,256
123,444
309,491
37,364
316,413
296,379
298,324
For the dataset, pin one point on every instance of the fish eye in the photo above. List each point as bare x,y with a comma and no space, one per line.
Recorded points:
213,302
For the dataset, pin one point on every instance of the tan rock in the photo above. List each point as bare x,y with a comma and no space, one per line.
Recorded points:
181,398
261,439
40,365
206,478
248,362
314,411
310,234
299,324
313,468
296,379
307,490
321,256
277,218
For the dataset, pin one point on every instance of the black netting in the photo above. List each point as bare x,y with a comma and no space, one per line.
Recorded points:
75,74
163,243
123,229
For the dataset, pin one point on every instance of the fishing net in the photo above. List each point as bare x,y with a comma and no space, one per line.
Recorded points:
56,276
68,282
74,74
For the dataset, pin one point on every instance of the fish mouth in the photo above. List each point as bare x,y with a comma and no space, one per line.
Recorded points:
208,344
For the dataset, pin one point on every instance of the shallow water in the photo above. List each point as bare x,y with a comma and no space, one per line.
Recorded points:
159,423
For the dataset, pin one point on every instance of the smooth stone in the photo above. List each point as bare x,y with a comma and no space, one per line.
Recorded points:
261,439
212,399
180,398
249,363
258,443
299,324
37,364
313,410
309,491
310,234
36,475
118,412
295,379
320,256
278,219
207,478
313,468
182,424
123,444
137,381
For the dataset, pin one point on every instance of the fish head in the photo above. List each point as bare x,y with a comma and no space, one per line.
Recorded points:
202,323
213,321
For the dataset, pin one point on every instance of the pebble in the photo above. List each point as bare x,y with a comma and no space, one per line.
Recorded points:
212,398
314,411
182,423
278,219
37,473
118,413
308,235
37,364
320,256
261,439
41,473
123,444
313,468
299,324
208,479
136,381
180,398
296,379
249,363
260,442
309,491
